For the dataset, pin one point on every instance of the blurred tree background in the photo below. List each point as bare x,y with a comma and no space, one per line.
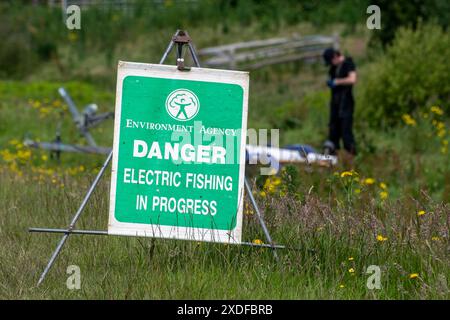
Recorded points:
406,60
35,34
408,13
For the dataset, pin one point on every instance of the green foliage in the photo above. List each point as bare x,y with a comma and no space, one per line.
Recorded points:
35,34
291,178
413,74
329,11
407,13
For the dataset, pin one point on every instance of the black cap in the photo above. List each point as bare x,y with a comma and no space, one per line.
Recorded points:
328,55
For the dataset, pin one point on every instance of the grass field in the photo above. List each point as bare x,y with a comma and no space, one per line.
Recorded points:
392,211
336,223
331,246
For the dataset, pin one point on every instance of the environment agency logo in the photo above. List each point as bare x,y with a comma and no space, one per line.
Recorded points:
182,104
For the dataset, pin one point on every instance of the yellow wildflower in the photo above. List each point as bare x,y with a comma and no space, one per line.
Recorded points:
23,154
14,142
276,181
36,104
341,286
383,185
435,238
413,275
351,259
351,270
440,125
44,111
421,213
257,241
384,195
409,120
346,173
72,36
369,181
380,238
57,103
247,209
437,110
7,155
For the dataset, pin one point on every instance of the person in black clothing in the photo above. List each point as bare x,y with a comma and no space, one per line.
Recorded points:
342,77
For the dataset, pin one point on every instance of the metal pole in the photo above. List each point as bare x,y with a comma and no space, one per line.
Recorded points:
166,53
77,117
74,219
260,218
194,55
59,147
105,233
73,231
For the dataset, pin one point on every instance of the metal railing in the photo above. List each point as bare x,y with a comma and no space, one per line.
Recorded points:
260,53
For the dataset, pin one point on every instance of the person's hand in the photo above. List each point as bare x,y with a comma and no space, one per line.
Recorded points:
331,83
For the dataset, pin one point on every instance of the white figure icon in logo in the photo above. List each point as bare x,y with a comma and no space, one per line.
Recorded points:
182,104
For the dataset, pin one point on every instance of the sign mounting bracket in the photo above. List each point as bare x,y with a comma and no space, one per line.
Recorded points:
181,39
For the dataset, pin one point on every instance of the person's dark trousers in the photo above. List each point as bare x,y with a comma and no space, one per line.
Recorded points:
341,127
347,134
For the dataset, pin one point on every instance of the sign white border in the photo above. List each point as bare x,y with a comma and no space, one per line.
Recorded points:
174,232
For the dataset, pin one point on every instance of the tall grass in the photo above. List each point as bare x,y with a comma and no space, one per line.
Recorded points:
330,245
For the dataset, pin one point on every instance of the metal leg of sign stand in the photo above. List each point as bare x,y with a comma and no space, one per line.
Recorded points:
260,218
75,219
181,38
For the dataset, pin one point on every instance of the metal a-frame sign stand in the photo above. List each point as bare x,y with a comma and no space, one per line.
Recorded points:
180,39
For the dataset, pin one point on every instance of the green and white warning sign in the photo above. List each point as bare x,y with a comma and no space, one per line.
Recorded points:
179,153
